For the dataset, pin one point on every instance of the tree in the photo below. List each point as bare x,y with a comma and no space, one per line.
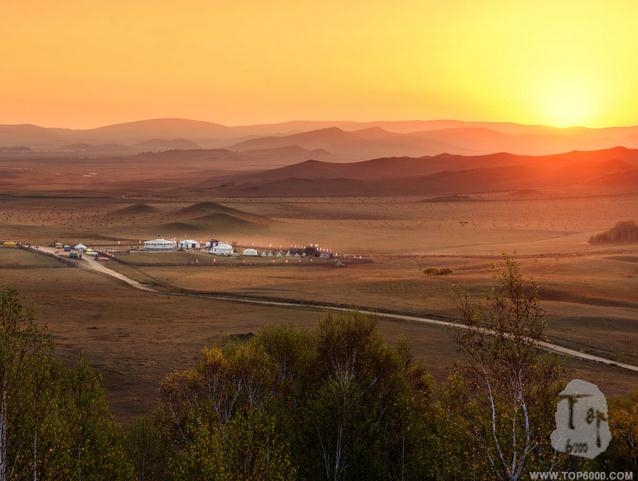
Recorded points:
146,450
622,454
88,441
54,422
216,418
23,349
506,393
336,403
364,416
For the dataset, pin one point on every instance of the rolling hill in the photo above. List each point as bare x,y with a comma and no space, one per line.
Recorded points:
215,212
443,174
345,140
358,144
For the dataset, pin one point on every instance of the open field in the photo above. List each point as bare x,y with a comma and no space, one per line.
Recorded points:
356,225
598,315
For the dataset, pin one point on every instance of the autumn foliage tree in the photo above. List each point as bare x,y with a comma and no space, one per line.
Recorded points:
334,404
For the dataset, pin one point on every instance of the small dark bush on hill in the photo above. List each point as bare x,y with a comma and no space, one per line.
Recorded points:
437,271
626,231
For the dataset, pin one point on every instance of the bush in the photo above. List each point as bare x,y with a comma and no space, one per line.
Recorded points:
437,271
626,231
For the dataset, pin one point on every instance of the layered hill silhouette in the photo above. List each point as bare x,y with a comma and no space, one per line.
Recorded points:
365,143
344,140
224,159
153,145
442,174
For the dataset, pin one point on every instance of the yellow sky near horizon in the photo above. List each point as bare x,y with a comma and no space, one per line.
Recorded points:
84,63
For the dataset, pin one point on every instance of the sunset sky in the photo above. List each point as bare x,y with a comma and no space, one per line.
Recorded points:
88,63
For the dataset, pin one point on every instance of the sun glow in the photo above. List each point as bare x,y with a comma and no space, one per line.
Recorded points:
568,103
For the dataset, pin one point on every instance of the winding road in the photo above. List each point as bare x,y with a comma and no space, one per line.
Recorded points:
95,266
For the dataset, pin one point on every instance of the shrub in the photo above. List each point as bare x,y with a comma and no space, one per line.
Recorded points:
437,271
626,231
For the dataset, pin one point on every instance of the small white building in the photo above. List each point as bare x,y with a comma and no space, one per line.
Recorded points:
221,249
188,244
80,247
250,252
160,244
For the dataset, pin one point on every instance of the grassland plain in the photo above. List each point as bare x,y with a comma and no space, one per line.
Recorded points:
355,225
135,338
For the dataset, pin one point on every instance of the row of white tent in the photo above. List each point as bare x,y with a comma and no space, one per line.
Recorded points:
214,247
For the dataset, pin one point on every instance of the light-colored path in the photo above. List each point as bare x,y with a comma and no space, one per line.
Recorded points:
93,265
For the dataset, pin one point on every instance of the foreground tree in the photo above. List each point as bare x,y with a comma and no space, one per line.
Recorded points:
24,371
54,422
337,403
622,454
505,393
366,416
215,418
89,443
146,450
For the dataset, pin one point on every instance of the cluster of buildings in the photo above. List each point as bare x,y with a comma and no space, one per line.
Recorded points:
220,248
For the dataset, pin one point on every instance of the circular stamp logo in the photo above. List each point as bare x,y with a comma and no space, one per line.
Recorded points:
582,427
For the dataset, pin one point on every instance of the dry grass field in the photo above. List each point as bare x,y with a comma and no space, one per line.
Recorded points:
590,300
350,225
135,338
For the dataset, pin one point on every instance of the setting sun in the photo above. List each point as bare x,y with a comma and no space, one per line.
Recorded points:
568,104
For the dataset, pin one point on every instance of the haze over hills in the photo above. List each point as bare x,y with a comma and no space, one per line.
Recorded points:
344,140
358,144
574,172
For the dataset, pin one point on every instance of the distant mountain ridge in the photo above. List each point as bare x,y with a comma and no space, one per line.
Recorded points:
441,174
345,140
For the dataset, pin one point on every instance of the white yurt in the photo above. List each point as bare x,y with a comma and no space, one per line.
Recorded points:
160,244
221,249
250,252
187,244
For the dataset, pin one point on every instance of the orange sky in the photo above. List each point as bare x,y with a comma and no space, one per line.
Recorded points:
86,63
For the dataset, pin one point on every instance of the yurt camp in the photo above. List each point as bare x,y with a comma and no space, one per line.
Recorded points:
188,244
221,249
160,244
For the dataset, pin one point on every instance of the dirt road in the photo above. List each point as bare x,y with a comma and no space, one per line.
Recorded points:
91,264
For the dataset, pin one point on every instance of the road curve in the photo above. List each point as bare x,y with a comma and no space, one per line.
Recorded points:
93,265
